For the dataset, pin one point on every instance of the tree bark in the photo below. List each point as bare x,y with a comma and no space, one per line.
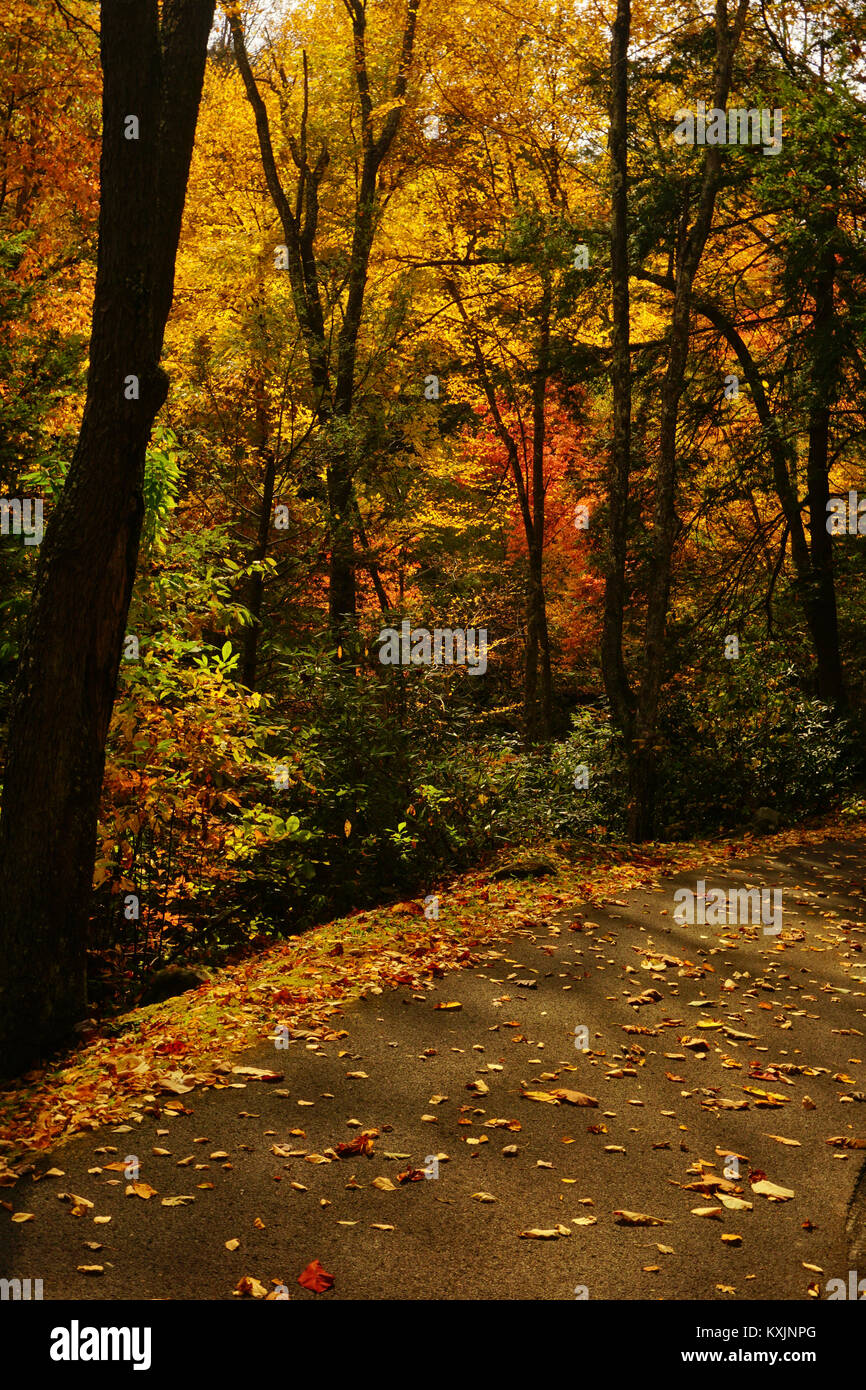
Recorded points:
66,680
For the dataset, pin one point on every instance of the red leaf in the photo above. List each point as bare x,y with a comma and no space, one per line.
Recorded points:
315,1278
411,1174
363,1144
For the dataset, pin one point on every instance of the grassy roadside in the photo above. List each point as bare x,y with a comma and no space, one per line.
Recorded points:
149,1059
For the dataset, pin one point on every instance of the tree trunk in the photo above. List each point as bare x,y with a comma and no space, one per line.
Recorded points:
644,746
613,665
66,681
539,719
256,583
820,594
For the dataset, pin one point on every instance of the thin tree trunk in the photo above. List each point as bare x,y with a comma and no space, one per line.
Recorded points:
66,680
256,583
540,718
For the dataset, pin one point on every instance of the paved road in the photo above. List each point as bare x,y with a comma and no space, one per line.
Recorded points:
662,1121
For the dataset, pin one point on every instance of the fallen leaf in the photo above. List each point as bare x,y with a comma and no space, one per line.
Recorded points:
574,1097
250,1286
315,1278
734,1203
411,1174
258,1073
140,1189
764,1188
638,1218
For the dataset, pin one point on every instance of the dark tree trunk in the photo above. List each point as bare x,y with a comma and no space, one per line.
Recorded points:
644,744
256,583
537,703
539,714
613,665
820,595
66,681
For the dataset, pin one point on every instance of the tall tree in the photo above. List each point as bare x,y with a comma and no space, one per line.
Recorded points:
153,64
619,468
694,230
333,383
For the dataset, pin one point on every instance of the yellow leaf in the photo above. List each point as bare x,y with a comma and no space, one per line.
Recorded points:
140,1189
